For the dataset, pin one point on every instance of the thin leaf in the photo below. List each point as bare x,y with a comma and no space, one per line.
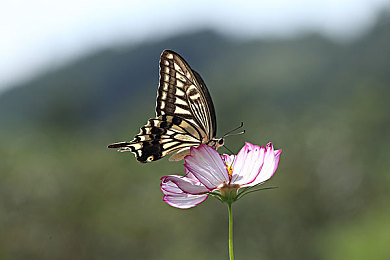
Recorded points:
242,194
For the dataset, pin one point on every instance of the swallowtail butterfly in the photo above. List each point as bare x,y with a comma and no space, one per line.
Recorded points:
185,115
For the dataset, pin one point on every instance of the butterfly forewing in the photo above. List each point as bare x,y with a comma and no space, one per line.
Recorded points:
185,115
182,92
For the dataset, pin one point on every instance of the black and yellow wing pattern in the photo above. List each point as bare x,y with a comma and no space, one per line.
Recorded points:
185,115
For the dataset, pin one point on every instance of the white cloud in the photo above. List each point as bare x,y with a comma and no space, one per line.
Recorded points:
35,34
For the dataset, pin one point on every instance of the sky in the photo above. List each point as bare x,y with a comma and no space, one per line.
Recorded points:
42,34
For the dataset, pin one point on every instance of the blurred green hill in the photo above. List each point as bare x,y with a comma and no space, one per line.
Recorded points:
63,195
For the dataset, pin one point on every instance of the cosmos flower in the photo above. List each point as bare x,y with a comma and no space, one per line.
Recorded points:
226,177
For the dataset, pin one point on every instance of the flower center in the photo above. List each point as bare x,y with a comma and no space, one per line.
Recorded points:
229,192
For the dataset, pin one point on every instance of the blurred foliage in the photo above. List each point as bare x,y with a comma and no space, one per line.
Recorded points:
326,104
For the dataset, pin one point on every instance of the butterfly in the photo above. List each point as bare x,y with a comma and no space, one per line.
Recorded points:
185,115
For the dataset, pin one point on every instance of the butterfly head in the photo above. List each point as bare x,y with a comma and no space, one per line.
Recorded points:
216,142
220,142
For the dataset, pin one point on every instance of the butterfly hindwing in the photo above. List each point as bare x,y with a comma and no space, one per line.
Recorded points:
161,136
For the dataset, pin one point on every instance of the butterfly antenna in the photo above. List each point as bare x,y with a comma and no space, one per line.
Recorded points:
240,133
235,129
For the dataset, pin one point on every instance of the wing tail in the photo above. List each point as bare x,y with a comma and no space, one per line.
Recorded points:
123,146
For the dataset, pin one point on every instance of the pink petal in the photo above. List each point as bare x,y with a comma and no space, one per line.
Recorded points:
187,185
189,174
207,166
170,188
248,164
175,197
184,201
271,162
229,159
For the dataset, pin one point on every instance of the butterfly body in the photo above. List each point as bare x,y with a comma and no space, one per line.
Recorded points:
185,115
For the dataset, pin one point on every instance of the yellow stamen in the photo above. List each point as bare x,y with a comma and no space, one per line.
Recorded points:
230,170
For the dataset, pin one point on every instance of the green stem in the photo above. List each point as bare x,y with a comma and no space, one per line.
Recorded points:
231,256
